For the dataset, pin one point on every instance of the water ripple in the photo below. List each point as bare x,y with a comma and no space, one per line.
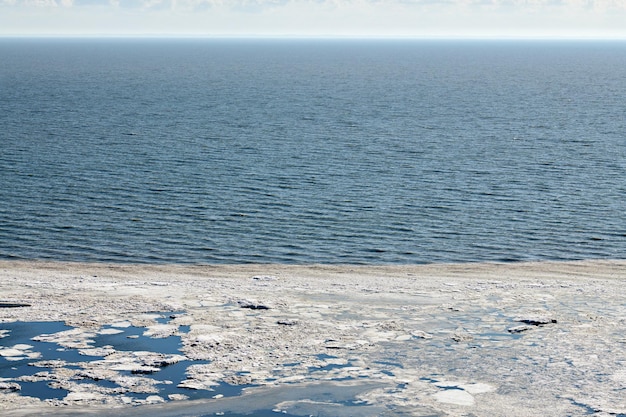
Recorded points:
423,155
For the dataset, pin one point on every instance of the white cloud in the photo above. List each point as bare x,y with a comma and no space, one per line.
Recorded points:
40,3
317,17
245,5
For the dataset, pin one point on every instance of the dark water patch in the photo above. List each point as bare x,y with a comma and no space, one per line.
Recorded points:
132,339
21,333
41,390
69,355
165,318
17,369
49,354
324,356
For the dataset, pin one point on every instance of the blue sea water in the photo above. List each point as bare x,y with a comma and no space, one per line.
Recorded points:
303,151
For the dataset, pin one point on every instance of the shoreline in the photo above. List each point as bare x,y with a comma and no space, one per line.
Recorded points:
435,339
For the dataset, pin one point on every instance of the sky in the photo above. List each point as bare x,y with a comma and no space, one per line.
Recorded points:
605,19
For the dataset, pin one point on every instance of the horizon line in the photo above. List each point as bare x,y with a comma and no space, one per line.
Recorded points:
311,37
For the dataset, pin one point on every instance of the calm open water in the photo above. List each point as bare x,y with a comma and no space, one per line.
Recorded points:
233,151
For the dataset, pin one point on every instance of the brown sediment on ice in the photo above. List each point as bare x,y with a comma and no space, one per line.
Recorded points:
519,339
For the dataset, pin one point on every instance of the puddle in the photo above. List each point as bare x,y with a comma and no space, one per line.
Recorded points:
42,391
21,333
165,318
11,367
324,356
33,354
52,361
132,339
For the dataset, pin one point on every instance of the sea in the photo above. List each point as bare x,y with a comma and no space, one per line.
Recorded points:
300,151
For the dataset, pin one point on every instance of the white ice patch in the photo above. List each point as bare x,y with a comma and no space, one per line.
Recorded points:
620,377
455,396
121,324
477,388
18,352
161,331
110,331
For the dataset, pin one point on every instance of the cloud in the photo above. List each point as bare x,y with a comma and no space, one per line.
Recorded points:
447,18
256,5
